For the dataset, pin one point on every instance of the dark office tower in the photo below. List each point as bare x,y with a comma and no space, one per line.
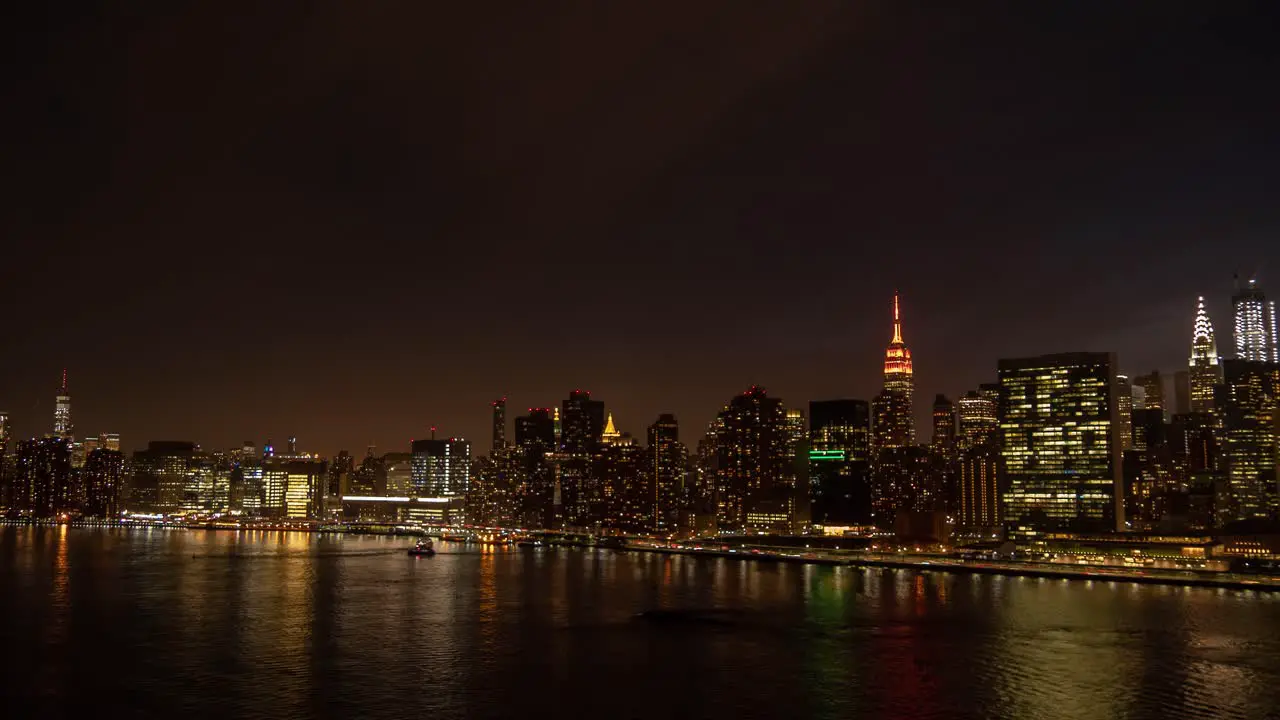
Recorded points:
535,493
1060,443
892,423
754,475
839,462
1248,406
581,423
1194,445
161,474
665,460
1124,414
944,428
1153,387
293,446
441,468
536,429
980,487
499,423
340,470
370,477
1182,392
103,475
62,425
44,476
1255,324
1204,368
4,432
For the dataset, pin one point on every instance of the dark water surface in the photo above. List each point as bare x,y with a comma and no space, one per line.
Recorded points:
138,623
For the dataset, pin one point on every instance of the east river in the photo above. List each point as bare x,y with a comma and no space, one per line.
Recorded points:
187,624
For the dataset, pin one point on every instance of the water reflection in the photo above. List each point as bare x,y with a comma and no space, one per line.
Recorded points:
292,624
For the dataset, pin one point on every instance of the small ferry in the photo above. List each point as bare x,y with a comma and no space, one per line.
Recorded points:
424,548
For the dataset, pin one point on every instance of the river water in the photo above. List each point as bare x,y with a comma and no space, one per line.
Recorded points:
140,623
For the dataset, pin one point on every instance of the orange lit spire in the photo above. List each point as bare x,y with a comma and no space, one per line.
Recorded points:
897,320
897,358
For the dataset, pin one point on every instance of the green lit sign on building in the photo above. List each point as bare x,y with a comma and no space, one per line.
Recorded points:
826,455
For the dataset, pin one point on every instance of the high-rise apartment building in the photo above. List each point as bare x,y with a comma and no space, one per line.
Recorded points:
755,476
103,479
892,422
43,477
1255,324
1059,434
979,487
665,460
625,473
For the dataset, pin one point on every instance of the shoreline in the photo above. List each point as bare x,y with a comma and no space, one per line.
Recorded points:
1094,574
1089,573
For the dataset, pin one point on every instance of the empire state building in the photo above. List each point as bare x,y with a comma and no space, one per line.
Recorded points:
893,424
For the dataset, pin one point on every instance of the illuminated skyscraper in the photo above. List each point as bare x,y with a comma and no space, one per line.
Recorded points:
1060,443
892,423
1255,324
1205,369
978,420
1249,406
1125,391
499,423
62,425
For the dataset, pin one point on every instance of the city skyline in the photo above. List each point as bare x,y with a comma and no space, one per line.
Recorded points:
481,425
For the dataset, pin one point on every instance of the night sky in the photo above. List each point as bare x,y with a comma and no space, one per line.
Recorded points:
352,221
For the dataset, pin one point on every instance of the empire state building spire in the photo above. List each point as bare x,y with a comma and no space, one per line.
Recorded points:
893,424
897,357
